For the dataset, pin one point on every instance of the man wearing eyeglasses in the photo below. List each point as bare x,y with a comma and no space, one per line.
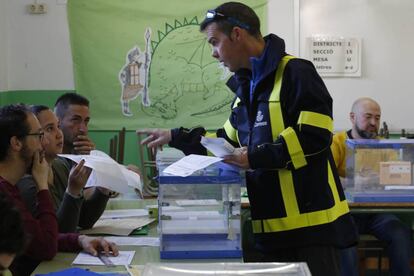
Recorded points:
281,122
21,150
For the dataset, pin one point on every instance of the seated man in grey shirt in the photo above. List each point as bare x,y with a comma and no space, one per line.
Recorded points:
65,183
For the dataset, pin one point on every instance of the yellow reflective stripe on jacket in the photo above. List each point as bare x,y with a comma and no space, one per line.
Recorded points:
231,132
332,185
211,135
302,220
278,79
294,148
316,119
297,220
288,192
275,110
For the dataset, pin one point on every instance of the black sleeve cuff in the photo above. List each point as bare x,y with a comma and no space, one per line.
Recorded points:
188,140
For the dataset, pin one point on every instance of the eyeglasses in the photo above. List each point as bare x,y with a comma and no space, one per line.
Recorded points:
38,134
213,14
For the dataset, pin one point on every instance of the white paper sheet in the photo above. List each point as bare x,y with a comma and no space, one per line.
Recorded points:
119,227
124,258
218,146
124,213
139,241
106,172
190,163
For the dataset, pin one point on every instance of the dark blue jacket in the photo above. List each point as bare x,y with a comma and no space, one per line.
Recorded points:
293,203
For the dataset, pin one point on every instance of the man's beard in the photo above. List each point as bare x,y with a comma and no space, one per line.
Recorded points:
27,156
366,134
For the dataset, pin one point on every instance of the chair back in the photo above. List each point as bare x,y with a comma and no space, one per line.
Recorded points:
147,167
117,146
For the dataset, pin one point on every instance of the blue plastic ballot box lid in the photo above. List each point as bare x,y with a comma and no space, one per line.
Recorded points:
386,196
379,143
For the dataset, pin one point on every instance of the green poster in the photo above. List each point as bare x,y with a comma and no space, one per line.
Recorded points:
145,63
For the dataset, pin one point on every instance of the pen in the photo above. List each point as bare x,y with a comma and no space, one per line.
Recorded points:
105,260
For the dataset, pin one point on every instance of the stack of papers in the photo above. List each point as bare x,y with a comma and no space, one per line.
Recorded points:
118,227
140,241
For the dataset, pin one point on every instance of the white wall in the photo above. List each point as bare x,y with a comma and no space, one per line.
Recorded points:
386,29
39,49
281,21
3,45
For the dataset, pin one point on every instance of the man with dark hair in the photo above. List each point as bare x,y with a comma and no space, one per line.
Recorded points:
12,237
365,117
234,15
18,129
72,111
281,122
65,186
22,141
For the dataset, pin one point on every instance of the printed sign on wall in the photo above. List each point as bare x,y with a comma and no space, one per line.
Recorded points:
335,56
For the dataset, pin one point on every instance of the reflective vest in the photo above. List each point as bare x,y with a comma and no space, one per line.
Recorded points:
286,213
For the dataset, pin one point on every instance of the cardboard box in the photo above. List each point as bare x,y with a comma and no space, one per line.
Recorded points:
395,173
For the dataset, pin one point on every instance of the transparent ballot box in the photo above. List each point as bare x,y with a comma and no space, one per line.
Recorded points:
381,167
199,215
221,269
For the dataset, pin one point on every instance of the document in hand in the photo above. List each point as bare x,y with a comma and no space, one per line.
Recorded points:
106,172
218,146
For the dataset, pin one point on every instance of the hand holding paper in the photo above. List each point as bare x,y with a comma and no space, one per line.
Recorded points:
106,172
239,158
218,146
